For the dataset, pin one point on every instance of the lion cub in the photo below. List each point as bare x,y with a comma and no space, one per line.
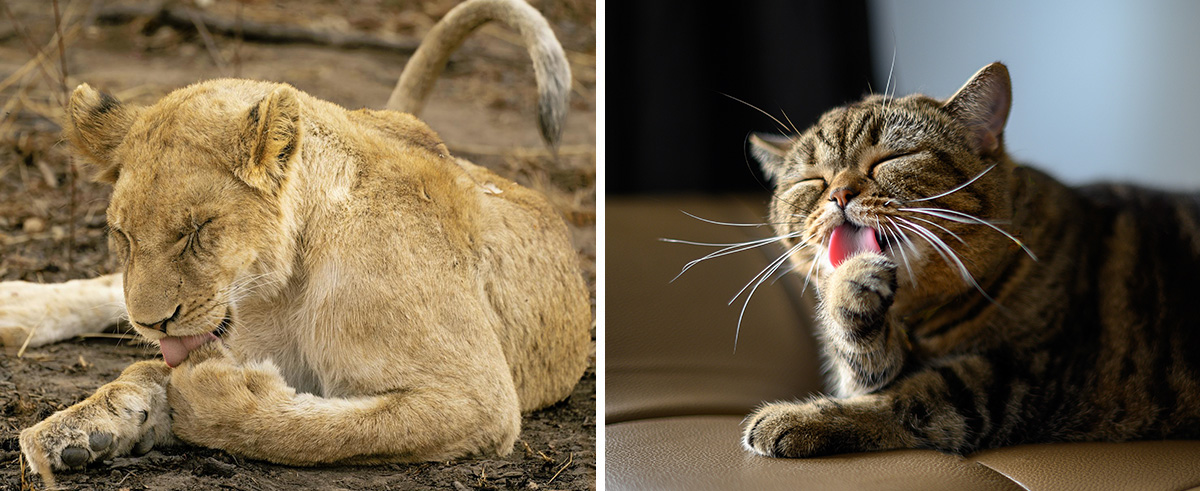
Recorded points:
325,285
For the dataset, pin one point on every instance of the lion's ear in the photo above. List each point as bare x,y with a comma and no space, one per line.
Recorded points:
96,124
270,137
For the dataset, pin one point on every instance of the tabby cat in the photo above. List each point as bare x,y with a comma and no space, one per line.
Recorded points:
969,302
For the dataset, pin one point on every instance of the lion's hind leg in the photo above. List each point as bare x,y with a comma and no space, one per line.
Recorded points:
35,314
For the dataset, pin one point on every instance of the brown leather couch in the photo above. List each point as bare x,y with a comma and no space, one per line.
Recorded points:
676,390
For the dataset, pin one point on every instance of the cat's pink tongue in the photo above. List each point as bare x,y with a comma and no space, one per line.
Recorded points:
848,240
175,349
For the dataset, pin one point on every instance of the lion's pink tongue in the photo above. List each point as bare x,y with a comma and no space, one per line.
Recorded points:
175,349
848,240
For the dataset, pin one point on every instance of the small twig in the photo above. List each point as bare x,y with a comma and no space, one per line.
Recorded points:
34,51
47,173
62,81
62,51
180,17
208,40
565,151
130,473
21,459
10,110
32,331
110,335
570,459
89,17
36,60
237,46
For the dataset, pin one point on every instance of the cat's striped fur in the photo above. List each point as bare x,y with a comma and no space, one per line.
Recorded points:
1072,314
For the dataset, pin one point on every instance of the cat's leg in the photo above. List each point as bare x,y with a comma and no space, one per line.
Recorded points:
35,314
863,344
249,410
127,415
950,407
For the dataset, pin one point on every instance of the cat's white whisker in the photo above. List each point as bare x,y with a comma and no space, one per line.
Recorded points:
770,266
815,266
888,85
938,245
723,244
899,246
956,189
758,280
784,128
949,256
960,217
935,224
730,224
729,248
789,120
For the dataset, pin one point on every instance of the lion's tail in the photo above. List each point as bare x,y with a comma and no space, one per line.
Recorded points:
549,63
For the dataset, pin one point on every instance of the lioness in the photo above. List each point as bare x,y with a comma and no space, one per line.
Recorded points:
325,285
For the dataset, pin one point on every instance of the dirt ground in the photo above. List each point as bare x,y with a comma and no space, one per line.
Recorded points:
52,225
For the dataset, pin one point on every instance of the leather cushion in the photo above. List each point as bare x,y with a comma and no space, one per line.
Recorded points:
704,452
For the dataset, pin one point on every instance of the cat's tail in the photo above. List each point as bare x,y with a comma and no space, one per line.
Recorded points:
549,62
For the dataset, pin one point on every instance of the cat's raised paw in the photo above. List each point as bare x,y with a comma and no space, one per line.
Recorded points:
860,291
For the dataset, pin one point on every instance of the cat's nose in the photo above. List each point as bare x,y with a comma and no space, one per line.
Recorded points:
842,195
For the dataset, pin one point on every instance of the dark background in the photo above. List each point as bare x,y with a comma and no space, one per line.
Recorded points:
669,125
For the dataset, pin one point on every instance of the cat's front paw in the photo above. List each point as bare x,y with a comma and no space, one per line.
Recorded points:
859,293
121,418
797,430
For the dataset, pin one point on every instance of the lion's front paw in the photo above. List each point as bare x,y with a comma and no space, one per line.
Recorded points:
121,418
798,430
860,291
211,398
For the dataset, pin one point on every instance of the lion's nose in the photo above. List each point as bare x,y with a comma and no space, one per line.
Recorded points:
161,325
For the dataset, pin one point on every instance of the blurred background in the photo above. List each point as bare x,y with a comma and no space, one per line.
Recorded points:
1102,90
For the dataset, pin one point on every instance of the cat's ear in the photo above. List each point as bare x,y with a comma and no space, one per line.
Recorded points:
96,124
770,151
982,106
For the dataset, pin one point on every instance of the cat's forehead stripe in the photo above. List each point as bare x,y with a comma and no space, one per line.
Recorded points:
838,135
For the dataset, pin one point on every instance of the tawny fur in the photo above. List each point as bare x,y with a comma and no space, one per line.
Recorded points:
385,301
1078,327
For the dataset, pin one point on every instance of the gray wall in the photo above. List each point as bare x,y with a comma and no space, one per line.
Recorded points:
1102,89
